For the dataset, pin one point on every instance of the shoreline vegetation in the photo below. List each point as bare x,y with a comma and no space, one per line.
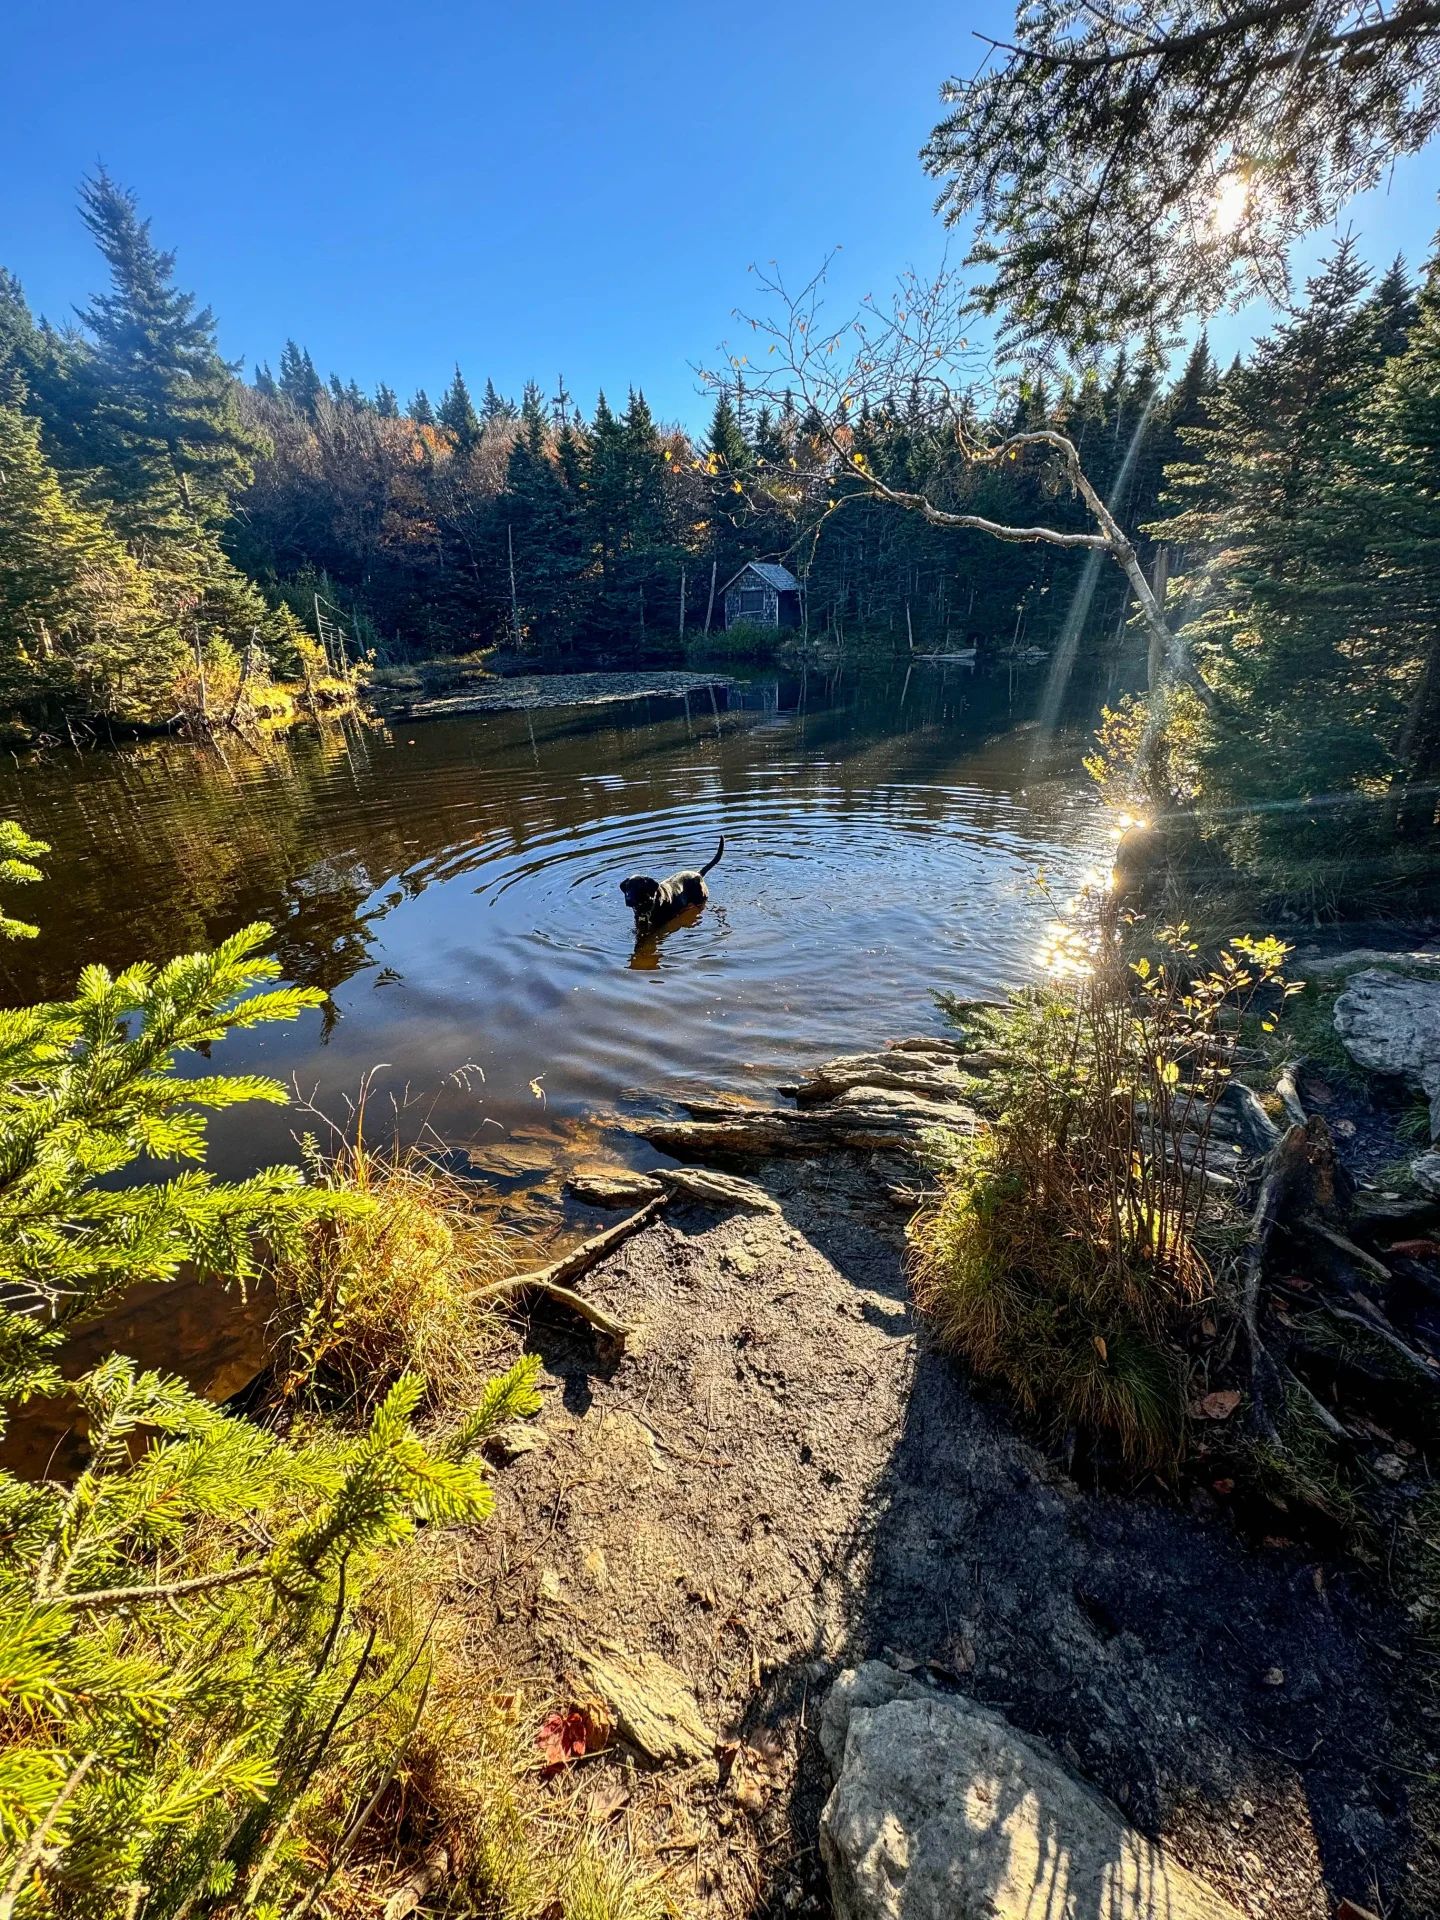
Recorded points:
1168,1220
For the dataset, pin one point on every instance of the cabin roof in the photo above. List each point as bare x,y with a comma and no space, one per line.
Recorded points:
779,578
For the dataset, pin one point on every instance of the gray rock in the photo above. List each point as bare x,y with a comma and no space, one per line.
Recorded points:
712,1189
613,1186
1426,1172
1418,960
1390,1023
942,1811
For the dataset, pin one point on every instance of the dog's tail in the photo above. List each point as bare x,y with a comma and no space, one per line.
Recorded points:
716,861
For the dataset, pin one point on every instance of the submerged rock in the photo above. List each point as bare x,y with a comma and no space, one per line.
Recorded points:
613,1186
1390,1023
942,1811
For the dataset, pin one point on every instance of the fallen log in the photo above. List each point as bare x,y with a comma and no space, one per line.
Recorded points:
550,1280
1285,1167
714,1189
1288,1088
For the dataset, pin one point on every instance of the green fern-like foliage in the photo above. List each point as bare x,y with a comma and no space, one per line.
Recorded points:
88,1086
192,1644
197,1650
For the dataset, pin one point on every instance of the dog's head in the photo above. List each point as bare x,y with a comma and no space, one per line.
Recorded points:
641,892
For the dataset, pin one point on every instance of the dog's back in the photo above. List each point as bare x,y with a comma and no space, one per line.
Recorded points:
655,901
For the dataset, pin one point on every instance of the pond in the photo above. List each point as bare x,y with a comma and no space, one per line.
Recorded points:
454,887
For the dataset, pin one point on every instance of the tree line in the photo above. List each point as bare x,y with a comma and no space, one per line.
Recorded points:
160,515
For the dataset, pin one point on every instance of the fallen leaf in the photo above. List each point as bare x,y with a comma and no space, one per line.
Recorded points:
581,1729
1224,1486
1415,1249
1215,1406
536,1088
1207,1327
561,1739
1101,1348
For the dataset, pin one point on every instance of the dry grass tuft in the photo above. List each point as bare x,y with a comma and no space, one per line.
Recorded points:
390,1287
1061,1258
518,1848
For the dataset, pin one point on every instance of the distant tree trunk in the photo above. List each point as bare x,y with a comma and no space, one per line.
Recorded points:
1419,748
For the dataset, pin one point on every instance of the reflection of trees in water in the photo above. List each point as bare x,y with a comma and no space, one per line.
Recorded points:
166,847
324,937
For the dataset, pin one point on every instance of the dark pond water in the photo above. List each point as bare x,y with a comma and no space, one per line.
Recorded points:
454,888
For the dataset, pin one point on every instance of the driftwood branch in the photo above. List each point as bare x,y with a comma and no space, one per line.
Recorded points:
1283,1166
431,1873
550,1280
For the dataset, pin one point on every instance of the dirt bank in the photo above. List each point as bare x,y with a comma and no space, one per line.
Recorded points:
781,1478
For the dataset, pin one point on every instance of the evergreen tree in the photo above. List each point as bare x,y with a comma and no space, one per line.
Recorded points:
164,422
299,382
421,411
493,408
1285,599
265,382
458,413
726,442
76,612
386,404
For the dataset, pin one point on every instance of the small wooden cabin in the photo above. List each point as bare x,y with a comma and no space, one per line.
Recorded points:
763,594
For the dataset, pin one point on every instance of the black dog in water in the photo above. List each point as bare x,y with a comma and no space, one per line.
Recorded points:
653,902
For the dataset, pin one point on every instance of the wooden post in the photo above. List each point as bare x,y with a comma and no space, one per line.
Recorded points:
514,597
714,569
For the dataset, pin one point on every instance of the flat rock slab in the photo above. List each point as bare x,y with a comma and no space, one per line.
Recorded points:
653,1704
613,1186
721,1190
1390,1023
942,1811
530,693
1415,959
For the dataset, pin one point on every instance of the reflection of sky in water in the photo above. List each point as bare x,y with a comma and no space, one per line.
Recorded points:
460,899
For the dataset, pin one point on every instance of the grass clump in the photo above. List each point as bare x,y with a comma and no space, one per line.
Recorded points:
744,640
388,1286
1062,1257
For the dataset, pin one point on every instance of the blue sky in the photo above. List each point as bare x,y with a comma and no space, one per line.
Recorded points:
532,189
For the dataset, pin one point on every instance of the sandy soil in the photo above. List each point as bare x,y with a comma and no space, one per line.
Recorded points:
781,1478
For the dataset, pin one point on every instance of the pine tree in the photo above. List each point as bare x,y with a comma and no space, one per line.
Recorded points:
726,442
299,382
165,421
386,404
189,1679
1285,599
76,613
493,408
458,413
421,411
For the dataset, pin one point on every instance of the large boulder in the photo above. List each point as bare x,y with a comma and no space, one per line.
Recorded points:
1390,1023
942,1811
